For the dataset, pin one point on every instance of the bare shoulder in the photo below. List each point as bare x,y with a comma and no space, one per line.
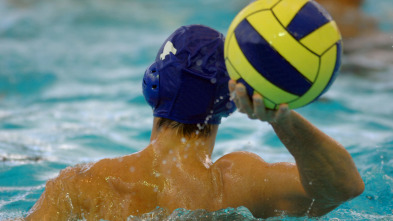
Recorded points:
239,160
72,175
105,171
241,168
238,169
127,168
262,187
66,177
87,189
57,197
252,165
241,174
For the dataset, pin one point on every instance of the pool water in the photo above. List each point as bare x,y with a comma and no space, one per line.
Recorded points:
70,92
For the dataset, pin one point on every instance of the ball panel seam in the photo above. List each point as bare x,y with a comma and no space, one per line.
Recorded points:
253,77
285,44
268,62
285,10
322,39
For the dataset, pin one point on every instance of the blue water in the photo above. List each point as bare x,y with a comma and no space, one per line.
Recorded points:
70,92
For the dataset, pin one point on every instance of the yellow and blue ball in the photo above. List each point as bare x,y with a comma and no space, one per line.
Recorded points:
289,51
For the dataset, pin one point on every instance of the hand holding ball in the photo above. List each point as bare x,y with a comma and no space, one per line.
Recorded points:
289,51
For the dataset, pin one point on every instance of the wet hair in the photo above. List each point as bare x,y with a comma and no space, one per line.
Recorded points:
186,130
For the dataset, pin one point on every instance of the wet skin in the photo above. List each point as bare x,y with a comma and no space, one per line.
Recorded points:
177,172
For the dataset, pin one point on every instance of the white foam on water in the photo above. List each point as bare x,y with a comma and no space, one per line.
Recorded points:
96,59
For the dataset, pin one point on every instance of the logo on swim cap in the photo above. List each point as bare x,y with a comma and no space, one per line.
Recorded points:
168,48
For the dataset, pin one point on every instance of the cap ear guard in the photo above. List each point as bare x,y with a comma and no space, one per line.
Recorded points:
151,85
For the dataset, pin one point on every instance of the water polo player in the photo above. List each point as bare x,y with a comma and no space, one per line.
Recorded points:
187,87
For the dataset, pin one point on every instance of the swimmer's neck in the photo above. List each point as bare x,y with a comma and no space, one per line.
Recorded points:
166,140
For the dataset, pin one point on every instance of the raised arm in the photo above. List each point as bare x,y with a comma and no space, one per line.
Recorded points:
327,172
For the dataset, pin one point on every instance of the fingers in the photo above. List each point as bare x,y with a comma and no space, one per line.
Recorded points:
232,88
282,111
260,110
239,96
259,107
245,105
256,108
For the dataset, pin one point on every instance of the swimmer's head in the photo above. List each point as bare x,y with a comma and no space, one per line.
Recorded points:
188,82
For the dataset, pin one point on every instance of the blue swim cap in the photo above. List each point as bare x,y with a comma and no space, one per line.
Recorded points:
188,82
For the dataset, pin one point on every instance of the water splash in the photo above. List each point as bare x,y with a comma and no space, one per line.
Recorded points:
309,208
161,214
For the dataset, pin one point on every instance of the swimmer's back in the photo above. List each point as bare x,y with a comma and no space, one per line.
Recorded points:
136,184
108,189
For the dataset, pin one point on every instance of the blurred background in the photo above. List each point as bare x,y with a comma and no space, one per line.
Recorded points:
70,91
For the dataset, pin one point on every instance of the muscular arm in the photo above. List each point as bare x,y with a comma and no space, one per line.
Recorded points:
326,173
